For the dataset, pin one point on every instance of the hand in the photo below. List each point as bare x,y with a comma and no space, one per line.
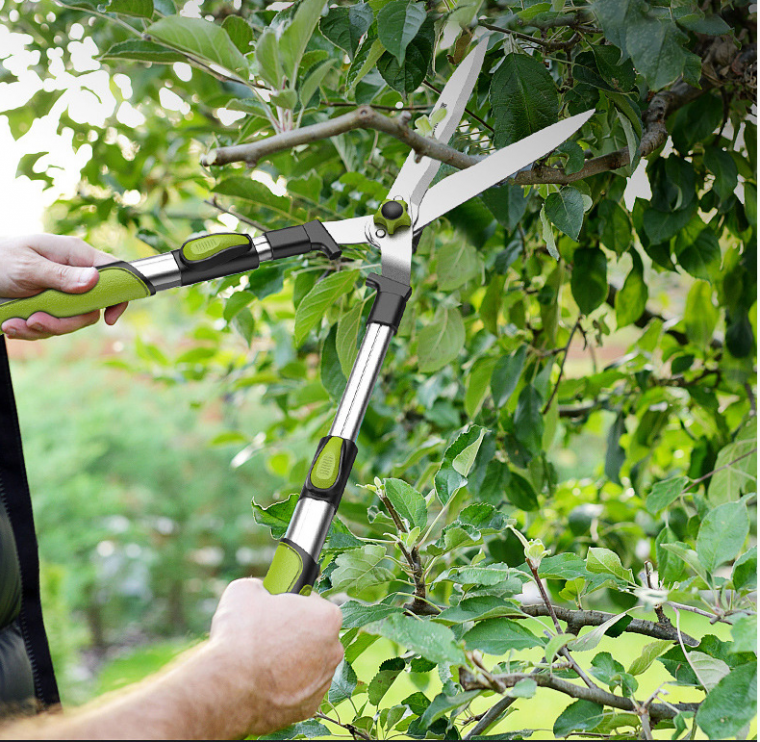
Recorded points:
278,654
37,262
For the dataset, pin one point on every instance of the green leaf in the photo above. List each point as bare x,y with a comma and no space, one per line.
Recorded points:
423,637
521,494
722,534
665,492
458,262
555,645
744,575
309,729
528,422
343,683
348,334
589,279
498,636
735,467
477,385
478,608
345,27
591,639
523,99
276,517
697,250
605,561
143,51
255,193
656,47
565,211
506,374
440,341
240,33
700,314
648,655
689,557
580,716
379,685
330,372
408,503
365,60
490,574
356,615
614,227
359,569
631,300
406,77
201,39
731,704
314,80
397,24
292,43
660,226
616,17
722,166
443,704
450,478
135,8
615,457
312,308
744,634
268,59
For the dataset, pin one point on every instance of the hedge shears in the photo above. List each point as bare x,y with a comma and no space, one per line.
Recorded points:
411,204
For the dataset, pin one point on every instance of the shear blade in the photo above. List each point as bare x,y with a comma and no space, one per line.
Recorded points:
460,187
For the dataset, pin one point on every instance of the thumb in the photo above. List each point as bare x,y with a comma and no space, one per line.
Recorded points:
67,278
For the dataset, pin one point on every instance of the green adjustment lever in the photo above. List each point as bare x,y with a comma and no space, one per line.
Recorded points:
392,215
214,249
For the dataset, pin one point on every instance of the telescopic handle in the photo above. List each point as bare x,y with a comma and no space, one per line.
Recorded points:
199,259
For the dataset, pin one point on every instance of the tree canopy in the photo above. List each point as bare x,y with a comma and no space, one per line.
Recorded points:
268,116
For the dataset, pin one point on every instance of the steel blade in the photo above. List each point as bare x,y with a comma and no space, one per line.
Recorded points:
350,231
415,177
466,184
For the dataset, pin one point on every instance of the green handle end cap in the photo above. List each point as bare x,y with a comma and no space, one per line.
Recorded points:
327,466
392,215
285,570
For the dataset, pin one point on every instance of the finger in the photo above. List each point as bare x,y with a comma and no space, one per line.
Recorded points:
45,324
68,250
51,275
17,330
113,313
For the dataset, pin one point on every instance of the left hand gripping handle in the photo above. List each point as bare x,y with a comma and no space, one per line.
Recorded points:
118,282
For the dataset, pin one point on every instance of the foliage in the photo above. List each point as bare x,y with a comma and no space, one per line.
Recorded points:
472,502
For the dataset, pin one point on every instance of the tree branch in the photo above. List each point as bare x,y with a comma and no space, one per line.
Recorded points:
363,117
565,351
577,619
657,711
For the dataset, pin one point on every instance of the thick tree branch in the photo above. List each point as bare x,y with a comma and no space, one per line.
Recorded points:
363,117
577,619
657,711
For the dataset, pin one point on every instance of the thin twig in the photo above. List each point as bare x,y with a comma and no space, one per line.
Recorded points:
720,468
566,351
548,45
213,202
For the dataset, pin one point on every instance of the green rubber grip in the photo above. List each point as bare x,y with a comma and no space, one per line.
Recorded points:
117,283
291,571
203,248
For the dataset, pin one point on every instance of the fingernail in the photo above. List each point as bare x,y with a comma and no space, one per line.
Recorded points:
11,333
36,326
85,276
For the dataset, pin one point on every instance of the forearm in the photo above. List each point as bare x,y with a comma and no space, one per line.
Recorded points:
186,701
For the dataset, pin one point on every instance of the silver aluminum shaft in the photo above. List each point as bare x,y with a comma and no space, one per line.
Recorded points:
309,525
361,382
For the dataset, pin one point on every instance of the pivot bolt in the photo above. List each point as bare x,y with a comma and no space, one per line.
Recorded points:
392,215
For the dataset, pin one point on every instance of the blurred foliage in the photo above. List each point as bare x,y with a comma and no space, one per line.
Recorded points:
476,403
